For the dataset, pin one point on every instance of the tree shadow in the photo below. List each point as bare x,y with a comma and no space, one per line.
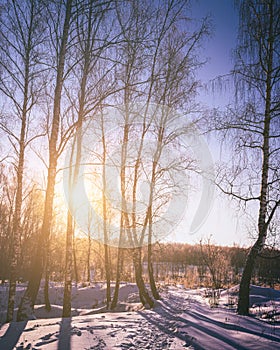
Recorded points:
64,338
165,315
167,320
168,308
10,339
171,311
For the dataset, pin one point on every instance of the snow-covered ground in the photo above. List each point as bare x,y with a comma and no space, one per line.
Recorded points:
182,319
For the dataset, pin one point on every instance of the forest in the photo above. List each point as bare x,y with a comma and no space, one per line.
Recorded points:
104,146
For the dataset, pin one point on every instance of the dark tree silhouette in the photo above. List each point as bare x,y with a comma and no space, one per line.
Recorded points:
254,125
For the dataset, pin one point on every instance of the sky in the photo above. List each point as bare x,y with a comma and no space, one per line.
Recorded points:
225,222
219,46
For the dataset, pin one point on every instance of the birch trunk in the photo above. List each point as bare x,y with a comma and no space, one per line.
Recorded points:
26,306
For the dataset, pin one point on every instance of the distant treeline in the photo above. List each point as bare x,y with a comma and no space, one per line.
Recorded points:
173,262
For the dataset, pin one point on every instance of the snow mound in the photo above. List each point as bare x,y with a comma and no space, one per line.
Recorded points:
260,295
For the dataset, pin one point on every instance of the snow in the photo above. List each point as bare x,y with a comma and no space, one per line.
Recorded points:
182,319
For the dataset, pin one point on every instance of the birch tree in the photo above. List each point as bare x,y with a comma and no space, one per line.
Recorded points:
133,22
22,82
260,72
177,87
158,67
94,40
254,178
29,298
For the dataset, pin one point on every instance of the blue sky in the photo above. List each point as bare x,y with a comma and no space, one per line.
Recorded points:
219,46
225,223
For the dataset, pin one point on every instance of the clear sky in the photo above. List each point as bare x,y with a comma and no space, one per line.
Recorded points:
225,223
218,48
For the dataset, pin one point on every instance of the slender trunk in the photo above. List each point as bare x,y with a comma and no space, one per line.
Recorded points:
15,248
88,257
66,312
122,226
46,287
143,293
104,210
119,269
28,300
150,233
118,279
151,273
137,250
76,273
74,175
108,275
244,290
150,214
